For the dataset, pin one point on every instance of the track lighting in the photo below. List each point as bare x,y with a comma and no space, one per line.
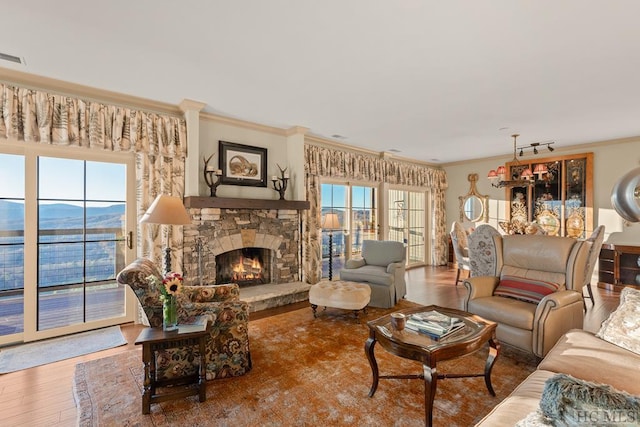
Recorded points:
497,176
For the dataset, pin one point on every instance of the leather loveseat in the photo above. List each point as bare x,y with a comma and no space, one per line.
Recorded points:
535,292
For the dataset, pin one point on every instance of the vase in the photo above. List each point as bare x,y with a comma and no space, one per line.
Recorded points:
169,313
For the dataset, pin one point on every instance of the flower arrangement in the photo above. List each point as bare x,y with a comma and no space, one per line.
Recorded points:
169,288
171,285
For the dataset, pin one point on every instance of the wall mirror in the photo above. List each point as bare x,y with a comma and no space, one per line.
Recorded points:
474,207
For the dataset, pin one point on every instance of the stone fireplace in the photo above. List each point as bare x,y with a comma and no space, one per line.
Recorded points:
237,234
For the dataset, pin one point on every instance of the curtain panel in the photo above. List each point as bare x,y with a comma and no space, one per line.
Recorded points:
331,162
158,141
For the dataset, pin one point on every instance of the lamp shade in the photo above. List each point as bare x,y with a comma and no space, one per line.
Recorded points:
166,210
331,221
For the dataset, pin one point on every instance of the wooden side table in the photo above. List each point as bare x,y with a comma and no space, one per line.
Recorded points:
154,339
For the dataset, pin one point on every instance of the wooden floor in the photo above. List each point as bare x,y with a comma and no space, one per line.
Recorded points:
43,396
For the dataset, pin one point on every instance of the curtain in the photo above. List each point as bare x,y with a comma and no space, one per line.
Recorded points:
331,162
312,255
159,142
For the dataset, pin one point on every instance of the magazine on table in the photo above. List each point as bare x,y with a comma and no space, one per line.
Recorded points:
434,324
199,324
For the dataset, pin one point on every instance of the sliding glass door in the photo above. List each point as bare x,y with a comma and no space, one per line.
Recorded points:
63,239
81,241
406,219
11,244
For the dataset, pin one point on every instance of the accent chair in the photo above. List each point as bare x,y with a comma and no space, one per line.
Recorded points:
382,267
460,248
227,345
595,241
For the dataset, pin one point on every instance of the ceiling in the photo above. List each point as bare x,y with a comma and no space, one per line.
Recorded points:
439,81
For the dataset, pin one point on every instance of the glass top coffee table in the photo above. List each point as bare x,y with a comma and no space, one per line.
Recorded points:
416,346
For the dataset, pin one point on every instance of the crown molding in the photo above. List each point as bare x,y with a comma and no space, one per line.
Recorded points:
297,130
191,105
325,142
242,123
33,81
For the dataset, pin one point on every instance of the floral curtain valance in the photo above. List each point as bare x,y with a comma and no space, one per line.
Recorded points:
35,116
159,142
323,161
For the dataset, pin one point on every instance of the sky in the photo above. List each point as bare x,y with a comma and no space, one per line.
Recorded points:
63,179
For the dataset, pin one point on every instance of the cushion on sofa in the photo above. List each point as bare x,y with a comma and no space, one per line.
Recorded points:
573,401
524,289
368,273
622,328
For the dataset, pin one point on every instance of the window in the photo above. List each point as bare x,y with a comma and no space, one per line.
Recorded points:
349,216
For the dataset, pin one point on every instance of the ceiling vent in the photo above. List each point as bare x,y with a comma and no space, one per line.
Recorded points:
11,58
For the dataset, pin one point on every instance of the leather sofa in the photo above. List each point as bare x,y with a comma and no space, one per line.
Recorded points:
555,267
581,355
382,267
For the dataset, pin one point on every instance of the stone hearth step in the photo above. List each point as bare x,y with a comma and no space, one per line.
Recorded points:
261,297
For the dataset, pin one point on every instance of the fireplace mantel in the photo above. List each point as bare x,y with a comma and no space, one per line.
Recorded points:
234,203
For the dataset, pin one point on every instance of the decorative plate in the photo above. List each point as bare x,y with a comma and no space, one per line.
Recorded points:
549,222
575,225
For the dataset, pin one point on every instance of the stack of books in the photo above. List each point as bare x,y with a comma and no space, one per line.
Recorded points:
433,323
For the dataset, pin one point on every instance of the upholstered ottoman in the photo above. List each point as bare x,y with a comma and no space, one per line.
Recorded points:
345,295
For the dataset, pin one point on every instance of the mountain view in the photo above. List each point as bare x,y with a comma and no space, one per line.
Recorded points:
62,244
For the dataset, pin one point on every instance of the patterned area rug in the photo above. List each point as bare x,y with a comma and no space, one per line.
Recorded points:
306,371
38,353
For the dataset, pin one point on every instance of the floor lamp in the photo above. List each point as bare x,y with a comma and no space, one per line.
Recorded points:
331,222
166,210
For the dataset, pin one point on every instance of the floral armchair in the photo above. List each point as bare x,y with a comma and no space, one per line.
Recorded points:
227,346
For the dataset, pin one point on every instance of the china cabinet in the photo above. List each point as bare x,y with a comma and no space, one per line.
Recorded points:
560,201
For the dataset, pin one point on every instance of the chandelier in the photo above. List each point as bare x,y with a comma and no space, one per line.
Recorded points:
524,178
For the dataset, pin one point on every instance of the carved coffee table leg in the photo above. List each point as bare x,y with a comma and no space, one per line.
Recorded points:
314,308
368,349
430,385
494,351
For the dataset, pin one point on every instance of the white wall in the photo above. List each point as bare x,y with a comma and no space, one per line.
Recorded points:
611,160
279,151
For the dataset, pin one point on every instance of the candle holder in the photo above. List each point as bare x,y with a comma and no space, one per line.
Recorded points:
211,176
280,183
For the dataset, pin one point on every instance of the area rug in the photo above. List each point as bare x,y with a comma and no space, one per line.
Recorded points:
305,372
38,353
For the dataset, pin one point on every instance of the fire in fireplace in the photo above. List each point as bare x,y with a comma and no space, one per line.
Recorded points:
246,266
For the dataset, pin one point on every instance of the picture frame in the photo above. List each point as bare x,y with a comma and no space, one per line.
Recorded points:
242,164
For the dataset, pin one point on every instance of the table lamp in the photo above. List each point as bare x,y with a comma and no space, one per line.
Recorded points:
166,210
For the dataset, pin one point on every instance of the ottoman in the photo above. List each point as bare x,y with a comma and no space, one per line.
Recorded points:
340,294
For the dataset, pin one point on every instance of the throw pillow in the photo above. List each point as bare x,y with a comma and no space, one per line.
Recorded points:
571,401
622,328
535,419
524,289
